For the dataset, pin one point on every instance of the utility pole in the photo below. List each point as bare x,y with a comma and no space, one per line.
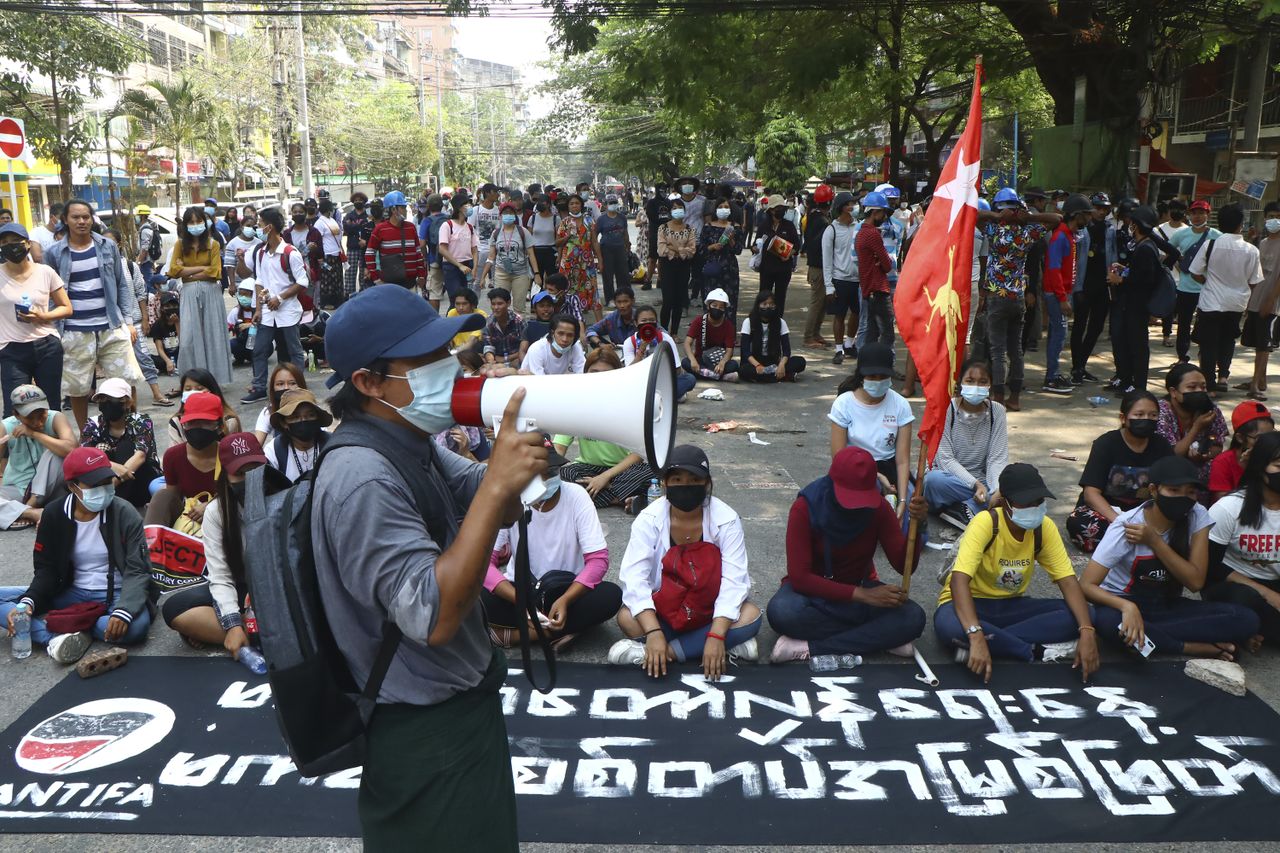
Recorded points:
282,141
422,90
1257,85
304,123
493,147
439,127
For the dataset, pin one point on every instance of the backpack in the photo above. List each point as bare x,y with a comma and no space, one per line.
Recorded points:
433,236
690,585
1190,254
284,259
321,710
1161,301
945,571
154,247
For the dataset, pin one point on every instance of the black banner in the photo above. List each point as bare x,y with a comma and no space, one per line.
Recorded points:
771,756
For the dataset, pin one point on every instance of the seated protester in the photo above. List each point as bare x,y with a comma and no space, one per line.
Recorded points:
464,302
240,325
196,381
558,353
311,331
300,424
984,610
868,413
164,331
612,475
503,332
36,439
710,341
127,437
1249,420
1115,478
210,613
537,326
1145,559
90,548
617,325
1244,546
189,467
648,337
284,377
1189,419
832,602
568,558
686,527
766,344
972,452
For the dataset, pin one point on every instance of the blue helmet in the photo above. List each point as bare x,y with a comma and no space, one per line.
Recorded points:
395,198
874,200
1008,196
982,204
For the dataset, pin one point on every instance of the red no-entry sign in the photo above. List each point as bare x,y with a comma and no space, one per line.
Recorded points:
13,140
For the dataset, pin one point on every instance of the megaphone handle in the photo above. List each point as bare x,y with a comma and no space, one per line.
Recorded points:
535,491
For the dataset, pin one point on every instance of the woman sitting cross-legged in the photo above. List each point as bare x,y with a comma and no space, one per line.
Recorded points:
984,611
1148,555
973,451
831,602
684,577
766,345
568,559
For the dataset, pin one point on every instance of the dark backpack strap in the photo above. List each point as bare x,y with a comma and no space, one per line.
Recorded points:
995,528
280,446
526,605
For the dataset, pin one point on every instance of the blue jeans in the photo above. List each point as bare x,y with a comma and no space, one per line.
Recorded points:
1014,626
942,488
290,340
455,280
1171,624
688,646
38,362
1057,336
684,383
843,627
135,633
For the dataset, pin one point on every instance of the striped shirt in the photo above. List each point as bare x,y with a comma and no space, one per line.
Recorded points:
84,289
388,239
974,446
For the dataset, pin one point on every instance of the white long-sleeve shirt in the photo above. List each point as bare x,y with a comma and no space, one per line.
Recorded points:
641,570
838,258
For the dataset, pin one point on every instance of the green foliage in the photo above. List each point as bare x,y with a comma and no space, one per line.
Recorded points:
379,129
786,154
179,112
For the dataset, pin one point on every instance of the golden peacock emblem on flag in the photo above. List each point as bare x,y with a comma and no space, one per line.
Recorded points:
945,302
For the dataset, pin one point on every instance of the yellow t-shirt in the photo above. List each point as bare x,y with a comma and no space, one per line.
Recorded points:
463,338
1004,570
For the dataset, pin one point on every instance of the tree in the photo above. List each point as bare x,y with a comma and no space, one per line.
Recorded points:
237,111
786,154
57,66
178,113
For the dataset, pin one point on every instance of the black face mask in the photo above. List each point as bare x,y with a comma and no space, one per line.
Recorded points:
299,218
686,498
304,430
1273,481
14,252
542,207
1198,402
1142,428
111,410
202,437
777,213
1174,509
276,397
768,313
237,491
716,313
359,205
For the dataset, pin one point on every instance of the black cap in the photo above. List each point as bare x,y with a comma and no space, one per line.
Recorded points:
686,457
1101,200
1033,192
874,359
1174,471
554,460
1022,484
1146,216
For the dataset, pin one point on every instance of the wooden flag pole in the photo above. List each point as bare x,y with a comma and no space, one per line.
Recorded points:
914,525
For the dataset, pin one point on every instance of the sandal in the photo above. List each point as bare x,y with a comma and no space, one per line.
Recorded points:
163,403
174,394
1257,395
21,524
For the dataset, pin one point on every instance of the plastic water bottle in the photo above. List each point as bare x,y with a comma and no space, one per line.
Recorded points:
21,632
253,331
249,619
831,663
252,659
1098,402
655,491
24,305
311,362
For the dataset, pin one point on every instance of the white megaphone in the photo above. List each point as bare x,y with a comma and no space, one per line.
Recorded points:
634,407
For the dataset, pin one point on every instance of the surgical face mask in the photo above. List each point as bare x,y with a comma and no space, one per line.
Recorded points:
96,498
211,211
1272,225
902,206
1174,508
614,208
249,232
687,498
577,215
508,219
877,388
431,408
687,189
14,253
550,488
186,395
299,218
246,301
716,313
722,212
1028,517
1142,427
974,394
195,229
359,205
677,214
1273,481
1197,402
557,349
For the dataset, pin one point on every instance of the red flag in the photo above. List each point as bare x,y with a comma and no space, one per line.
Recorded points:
932,299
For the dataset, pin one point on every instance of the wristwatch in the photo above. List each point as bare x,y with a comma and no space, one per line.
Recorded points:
973,629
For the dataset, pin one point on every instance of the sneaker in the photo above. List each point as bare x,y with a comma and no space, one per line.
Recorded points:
1058,385
1221,388
745,651
730,377
788,649
1054,652
1077,377
958,515
253,396
1089,377
838,358
69,648
962,656
1114,384
626,653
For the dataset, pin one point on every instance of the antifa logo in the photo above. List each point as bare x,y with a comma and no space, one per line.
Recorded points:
93,735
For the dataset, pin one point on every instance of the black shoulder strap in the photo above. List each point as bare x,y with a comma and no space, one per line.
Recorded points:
1208,252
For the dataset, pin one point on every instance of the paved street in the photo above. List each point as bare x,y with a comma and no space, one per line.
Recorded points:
759,482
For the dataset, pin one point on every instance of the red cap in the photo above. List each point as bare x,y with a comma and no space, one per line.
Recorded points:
1200,205
853,472
1249,410
238,450
202,406
87,465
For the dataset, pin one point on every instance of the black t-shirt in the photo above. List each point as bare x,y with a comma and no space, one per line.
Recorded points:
815,224
535,330
1095,268
658,211
1120,473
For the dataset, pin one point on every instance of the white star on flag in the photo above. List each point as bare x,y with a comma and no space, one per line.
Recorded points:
962,189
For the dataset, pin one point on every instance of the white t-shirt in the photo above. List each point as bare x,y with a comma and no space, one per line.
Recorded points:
1252,551
542,361
43,236
1230,271
873,428
89,556
629,348
486,221
273,279
229,253
292,456
329,233
558,539
1132,568
764,334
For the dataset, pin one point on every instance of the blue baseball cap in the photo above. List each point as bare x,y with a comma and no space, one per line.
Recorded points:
14,228
387,321
538,297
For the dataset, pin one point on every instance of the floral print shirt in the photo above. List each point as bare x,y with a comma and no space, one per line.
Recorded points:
1167,427
1009,244
138,431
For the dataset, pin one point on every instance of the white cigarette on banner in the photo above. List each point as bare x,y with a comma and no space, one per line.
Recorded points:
926,676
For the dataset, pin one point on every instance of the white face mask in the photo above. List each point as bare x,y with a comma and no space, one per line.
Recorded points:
1061,205
687,189
1272,226
974,394
431,408
722,212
